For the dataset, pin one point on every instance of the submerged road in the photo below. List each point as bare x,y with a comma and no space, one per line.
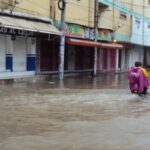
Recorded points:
83,113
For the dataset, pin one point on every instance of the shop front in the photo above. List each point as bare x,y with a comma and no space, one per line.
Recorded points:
84,55
18,45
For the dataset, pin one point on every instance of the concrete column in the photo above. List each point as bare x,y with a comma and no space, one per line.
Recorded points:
122,60
130,59
9,45
31,50
62,39
96,17
95,61
117,59
31,46
9,54
101,59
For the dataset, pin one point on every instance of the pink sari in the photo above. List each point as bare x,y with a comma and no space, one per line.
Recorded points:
137,81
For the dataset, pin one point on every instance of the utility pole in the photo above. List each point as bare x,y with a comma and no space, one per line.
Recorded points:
96,17
62,7
143,38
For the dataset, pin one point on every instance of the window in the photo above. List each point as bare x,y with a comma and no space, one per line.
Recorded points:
123,16
148,26
137,23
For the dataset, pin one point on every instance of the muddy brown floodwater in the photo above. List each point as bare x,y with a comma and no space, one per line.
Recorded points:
81,113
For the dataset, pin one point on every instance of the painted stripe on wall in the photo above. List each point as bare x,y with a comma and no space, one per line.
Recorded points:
121,37
31,62
9,62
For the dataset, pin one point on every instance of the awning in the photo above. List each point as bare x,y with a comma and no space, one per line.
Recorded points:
28,25
93,44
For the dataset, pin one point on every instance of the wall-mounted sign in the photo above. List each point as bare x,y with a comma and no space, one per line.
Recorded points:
16,32
78,31
104,35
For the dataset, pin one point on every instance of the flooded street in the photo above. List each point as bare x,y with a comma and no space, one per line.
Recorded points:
83,113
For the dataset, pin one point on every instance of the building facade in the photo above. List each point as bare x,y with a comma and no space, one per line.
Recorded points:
129,21
80,39
25,29
111,37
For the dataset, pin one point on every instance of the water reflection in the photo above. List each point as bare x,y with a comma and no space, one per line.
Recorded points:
103,81
81,112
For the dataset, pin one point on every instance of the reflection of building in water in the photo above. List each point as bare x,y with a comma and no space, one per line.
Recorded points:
30,40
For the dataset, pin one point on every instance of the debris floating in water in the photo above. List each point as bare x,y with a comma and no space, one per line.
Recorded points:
51,82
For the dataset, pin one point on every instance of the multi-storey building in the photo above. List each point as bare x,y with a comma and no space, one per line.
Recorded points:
26,32
124,22
80,38
29,39
129,21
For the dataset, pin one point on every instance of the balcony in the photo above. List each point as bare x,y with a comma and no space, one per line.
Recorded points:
101,5
105,3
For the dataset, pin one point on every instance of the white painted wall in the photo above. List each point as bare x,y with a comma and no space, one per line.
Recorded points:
128,57
9,45
140,32
31,45
2,53
137,31
136,54
148,57
19,54
146,34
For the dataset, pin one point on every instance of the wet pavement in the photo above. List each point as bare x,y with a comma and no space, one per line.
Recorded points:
81,113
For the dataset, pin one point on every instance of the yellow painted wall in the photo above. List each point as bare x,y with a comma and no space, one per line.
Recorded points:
138,6
121,26
6,4
33,7
106,19
82,12
78,12
147,9
110,18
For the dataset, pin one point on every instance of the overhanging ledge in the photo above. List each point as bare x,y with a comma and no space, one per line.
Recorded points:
93,44
28,25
